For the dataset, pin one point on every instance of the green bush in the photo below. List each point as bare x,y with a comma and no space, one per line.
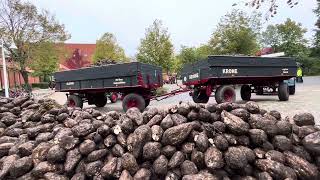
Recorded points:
311,66
42,85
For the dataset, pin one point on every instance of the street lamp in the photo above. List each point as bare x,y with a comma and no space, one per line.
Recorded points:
4,68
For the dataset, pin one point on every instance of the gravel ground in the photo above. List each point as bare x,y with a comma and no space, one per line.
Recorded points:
306,99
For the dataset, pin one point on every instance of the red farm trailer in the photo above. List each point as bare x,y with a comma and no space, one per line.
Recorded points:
135,81
218,74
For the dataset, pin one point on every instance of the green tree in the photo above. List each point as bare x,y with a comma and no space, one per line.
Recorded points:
23,24
236,33
270,37
292,40
107,48
316,41
45,59
287,37
192,54
176,65
204,51
156,47
187,55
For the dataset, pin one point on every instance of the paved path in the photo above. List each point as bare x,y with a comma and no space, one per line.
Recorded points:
306,99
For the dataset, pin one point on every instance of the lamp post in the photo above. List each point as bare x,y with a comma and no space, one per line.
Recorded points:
4,69
5,74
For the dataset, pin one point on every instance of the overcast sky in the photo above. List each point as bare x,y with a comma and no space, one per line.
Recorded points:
190,22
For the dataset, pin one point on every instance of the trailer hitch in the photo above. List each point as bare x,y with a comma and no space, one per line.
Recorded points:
170,94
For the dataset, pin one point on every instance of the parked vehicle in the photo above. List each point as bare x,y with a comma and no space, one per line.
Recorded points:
218,74
136,82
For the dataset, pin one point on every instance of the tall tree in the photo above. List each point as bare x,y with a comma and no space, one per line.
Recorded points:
156,47
204,51
292,40
107,48
270,37
187,55
316,43
287,37
236,33
45,59
22,23
193,54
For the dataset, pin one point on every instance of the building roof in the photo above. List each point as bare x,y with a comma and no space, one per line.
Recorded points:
76,56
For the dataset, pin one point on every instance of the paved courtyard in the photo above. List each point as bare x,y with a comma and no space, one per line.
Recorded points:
306,99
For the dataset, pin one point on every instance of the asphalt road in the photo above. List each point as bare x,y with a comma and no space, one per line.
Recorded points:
306,99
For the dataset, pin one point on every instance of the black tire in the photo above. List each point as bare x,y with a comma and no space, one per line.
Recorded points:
74,101
225,94
283,91
100,100
292,90
147,102
113,97
245,92
200,96
133,100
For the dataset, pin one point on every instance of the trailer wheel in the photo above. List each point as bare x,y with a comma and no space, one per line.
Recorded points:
147,102
283,91
200,96
225,94
133,100
74,101
292,90
114,97
100,100
245,92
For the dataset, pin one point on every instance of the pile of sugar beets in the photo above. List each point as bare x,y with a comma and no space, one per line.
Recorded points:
41,140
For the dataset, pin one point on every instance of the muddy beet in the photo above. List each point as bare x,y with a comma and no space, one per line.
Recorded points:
275,169
176,159
160,165
130,163
151,150
213,158
235,124
236,158
188,167
42,140
303,168
304,119
312,142
176,134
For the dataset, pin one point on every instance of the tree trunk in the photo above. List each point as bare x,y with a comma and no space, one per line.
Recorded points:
25,76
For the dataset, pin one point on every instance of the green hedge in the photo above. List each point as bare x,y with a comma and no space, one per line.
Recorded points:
42,85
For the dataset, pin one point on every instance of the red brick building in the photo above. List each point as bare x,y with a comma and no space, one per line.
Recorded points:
14,76
76,56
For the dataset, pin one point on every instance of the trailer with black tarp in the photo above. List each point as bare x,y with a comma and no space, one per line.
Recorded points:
217,73
135,81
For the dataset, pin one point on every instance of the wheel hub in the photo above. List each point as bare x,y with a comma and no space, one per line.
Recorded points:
71,103
114,97
228,95
132,103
